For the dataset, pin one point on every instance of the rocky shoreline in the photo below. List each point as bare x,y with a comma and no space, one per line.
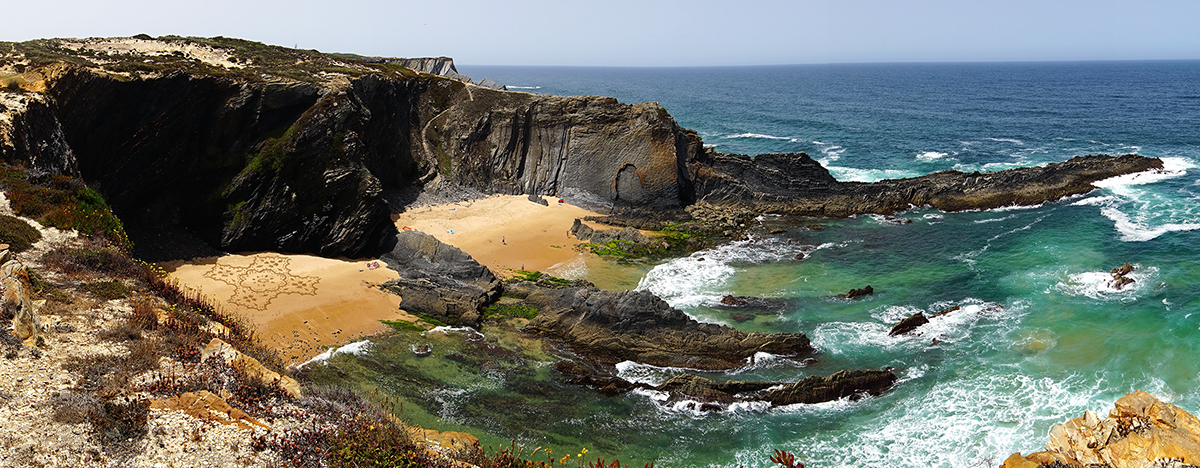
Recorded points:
316,158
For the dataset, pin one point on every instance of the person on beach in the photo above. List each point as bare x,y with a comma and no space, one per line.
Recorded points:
502,240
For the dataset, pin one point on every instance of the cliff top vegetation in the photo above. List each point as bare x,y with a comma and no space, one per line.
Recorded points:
142,55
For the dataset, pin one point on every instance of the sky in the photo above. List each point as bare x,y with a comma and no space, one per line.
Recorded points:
653,32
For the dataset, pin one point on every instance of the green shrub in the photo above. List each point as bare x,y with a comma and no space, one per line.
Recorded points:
496,311
108,290
117,422
17,233
541,278
62,202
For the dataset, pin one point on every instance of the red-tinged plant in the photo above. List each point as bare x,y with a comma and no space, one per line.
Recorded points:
599,463
785,459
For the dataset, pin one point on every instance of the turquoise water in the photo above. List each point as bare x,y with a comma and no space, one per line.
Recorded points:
1039,338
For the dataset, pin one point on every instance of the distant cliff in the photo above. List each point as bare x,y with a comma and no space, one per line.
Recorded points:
246,146
441,66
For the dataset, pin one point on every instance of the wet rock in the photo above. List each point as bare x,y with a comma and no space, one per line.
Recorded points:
1140,432
776,231
953,309
812,389
846,383
1119,279
439,280
909,324
610,327
734,301
740,317
856,293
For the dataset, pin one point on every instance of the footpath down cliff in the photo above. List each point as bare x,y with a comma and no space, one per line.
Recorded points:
245,146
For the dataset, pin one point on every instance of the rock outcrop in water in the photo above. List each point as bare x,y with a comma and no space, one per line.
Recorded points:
612,327
251,147
795,183
852,384
1140,432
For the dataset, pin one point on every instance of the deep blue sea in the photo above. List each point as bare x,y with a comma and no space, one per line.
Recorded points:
1039,338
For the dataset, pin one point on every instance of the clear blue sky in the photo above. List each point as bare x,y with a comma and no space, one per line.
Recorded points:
651,32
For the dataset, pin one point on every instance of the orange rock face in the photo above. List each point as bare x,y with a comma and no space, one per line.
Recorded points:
1140,432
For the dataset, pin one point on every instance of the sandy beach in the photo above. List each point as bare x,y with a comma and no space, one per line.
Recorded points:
503,232
300,304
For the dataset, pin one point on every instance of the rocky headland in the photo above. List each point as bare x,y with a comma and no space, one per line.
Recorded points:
216,144
238,145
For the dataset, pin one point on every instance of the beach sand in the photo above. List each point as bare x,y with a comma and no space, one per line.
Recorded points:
298,304
302,304
504,232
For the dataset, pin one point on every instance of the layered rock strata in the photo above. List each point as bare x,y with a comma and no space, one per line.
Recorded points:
812,389
612,327
439,280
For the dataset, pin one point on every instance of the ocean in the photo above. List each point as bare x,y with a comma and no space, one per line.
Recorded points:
1039,336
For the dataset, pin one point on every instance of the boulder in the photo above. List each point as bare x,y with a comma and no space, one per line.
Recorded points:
610,327
439,280
248,365
1140,432
909,324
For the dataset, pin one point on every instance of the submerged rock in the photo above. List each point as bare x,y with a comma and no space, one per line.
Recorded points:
1140,432
611,327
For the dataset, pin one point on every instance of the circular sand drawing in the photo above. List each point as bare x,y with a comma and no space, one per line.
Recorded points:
266,277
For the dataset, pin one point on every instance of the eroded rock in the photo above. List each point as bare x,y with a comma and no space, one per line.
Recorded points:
249,365
16,302
909,324
611,327
812,389
1140,432
439,280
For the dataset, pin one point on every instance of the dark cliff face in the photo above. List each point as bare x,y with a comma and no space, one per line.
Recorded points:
255,147
288,165
590,148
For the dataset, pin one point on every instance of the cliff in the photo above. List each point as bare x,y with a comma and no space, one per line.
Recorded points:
244,146
253,147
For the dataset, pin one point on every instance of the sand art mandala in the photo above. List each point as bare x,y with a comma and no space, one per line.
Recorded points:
256,285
